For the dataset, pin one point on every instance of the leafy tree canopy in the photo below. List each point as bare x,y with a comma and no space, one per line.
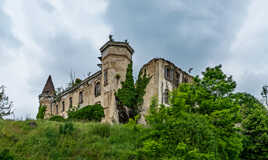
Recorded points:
205,120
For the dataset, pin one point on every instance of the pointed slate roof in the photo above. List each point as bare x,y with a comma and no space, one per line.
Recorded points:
49,87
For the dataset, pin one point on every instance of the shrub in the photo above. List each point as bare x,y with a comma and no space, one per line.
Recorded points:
102,130
66,128
88,113
57,118
5,155
41,112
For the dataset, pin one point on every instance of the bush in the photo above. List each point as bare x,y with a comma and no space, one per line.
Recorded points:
88,113
66,128
57,118
5,155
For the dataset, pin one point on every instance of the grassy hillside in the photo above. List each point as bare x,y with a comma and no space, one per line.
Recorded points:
55,140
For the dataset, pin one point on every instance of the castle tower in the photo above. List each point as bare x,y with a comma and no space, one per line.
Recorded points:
46,97
115,57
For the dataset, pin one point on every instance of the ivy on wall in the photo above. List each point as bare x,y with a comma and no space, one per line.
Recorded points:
131,94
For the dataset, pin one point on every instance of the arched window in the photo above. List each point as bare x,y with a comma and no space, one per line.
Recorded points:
97,89
81,97
166,96
57,109
177,79
167,72
70,102
105,77
63,106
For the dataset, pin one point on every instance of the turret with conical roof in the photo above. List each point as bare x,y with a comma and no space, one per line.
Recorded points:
46,97
49,87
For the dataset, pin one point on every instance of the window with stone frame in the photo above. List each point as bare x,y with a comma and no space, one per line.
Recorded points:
70,102
166,96
63,106
177,79
171,74
97,89
57,109
51,109
167,73
81,100
105,77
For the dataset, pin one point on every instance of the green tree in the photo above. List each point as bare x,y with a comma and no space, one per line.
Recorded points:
127,94
5,104
254,127
201,120
41,112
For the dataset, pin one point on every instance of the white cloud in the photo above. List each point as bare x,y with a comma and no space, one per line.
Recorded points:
36,24
249,51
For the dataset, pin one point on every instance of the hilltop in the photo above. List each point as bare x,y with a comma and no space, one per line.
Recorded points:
56,140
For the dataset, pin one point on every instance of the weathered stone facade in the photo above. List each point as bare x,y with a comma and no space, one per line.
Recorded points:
101,86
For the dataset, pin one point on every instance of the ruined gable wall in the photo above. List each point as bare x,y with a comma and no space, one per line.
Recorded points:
159,83
152,70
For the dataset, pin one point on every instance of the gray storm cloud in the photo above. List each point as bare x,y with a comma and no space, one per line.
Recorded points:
190,33
38,38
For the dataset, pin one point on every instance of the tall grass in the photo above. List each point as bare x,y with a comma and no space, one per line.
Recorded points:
70,140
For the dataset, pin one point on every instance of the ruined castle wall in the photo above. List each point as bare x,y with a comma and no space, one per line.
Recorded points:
89,98
160,83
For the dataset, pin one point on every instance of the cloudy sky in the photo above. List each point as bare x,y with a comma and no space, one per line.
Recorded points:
42,37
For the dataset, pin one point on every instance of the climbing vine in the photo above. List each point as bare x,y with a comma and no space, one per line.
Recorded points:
131,94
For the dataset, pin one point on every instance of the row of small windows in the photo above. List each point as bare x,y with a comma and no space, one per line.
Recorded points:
172,75
81,98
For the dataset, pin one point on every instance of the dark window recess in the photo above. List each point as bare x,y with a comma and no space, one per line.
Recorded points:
63,106
166,96
51,108
57,109
169,73
97,89
184,79
105,77
70,102
177,79
80,97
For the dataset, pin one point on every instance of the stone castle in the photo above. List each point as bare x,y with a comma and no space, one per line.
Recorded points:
100,87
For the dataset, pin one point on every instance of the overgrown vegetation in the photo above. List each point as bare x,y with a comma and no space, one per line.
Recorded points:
206,120
57,118
58,140
131,95
88,113
41,112
5,155
77,81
